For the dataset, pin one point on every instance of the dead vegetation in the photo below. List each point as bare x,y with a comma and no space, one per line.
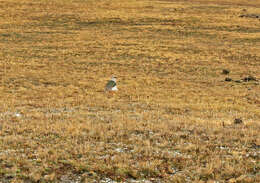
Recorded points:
174,117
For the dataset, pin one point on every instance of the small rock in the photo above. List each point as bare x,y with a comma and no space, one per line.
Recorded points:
238,121
255,146
238,81
250,16
225,71
228,79
17,114
249,78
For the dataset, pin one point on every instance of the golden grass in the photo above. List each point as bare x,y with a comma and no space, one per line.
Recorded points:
172,119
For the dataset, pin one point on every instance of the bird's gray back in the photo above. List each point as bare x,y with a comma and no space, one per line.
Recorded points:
110,84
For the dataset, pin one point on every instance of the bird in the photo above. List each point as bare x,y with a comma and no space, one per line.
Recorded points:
111,85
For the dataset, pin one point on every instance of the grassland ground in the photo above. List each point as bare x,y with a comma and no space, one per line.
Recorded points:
172,119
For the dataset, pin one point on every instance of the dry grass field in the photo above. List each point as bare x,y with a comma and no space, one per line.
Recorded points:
172,119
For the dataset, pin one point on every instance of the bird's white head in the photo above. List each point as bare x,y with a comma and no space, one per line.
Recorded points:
113,78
